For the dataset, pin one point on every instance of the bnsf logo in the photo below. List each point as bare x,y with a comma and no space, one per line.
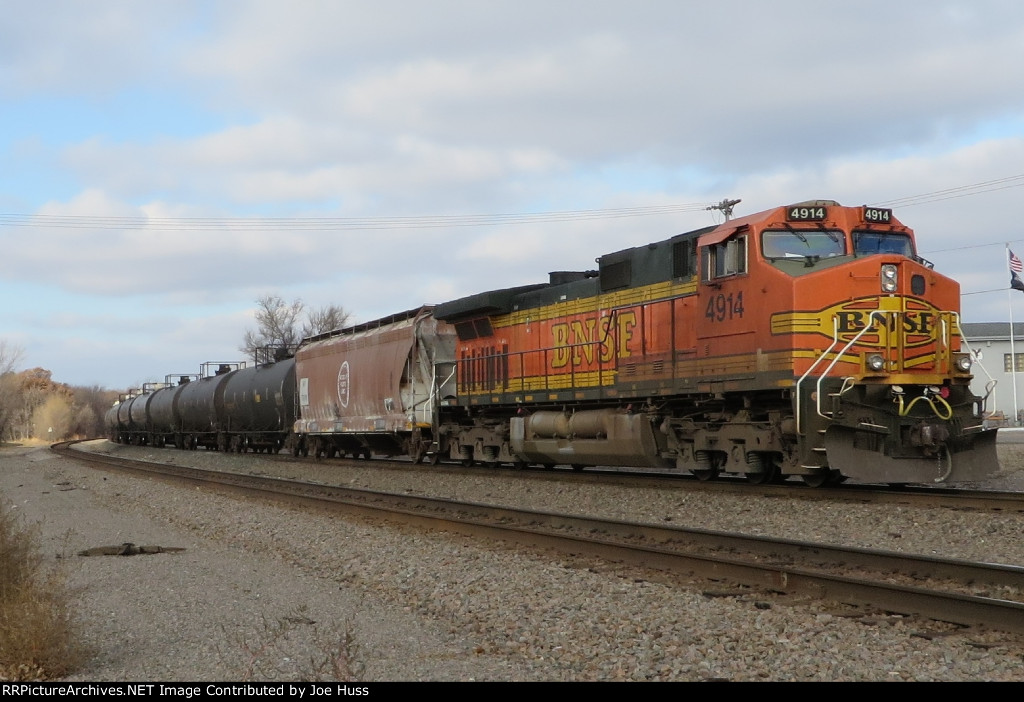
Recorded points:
917,323
911,322
577,340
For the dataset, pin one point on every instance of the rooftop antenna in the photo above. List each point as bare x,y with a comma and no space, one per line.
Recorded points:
726,207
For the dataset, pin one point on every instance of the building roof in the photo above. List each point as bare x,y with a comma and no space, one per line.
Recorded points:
991,331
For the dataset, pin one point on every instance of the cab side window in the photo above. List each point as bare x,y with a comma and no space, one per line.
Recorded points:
727,258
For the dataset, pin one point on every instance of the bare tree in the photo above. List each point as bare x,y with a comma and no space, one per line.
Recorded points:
276,325
10,396
10,356
278,331
325,319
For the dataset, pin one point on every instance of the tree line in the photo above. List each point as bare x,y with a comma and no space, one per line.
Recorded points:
34,406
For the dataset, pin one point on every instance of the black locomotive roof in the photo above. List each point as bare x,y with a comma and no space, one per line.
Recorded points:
640,265
483,304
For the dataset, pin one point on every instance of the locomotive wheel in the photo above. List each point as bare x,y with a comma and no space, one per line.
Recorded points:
765,476
816,480
706,475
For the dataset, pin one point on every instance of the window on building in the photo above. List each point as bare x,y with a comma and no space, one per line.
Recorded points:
1018,363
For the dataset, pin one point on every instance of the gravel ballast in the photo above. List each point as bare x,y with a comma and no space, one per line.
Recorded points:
268,592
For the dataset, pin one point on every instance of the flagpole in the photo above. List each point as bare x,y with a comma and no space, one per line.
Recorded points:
1013,353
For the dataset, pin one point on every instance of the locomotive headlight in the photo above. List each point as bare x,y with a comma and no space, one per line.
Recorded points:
963,363
876,362
889,278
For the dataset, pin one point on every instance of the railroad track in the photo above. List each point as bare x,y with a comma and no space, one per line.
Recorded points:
914,495
948,590
917,495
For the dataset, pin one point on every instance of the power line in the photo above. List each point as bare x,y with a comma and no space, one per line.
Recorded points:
332,223
951,193
254,224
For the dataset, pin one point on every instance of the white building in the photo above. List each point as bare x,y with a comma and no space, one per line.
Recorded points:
990,341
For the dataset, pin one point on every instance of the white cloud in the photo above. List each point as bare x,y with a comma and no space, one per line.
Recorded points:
398,109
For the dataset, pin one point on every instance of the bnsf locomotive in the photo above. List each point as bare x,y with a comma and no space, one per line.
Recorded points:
808,340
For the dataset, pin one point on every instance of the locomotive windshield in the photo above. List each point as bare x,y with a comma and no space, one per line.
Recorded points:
868,243
815,243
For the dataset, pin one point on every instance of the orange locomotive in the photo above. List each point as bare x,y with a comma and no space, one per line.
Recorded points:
806,340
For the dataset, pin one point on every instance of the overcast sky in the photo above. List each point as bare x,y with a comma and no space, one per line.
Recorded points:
166,163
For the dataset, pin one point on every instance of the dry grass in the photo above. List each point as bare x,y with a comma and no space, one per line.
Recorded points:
38,633
272,651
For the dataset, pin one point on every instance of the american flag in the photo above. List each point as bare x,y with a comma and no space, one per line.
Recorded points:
1015,268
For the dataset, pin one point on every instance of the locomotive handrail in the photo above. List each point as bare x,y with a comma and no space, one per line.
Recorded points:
992,382
846,348
835,341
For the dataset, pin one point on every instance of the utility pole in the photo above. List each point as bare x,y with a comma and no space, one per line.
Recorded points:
726,207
